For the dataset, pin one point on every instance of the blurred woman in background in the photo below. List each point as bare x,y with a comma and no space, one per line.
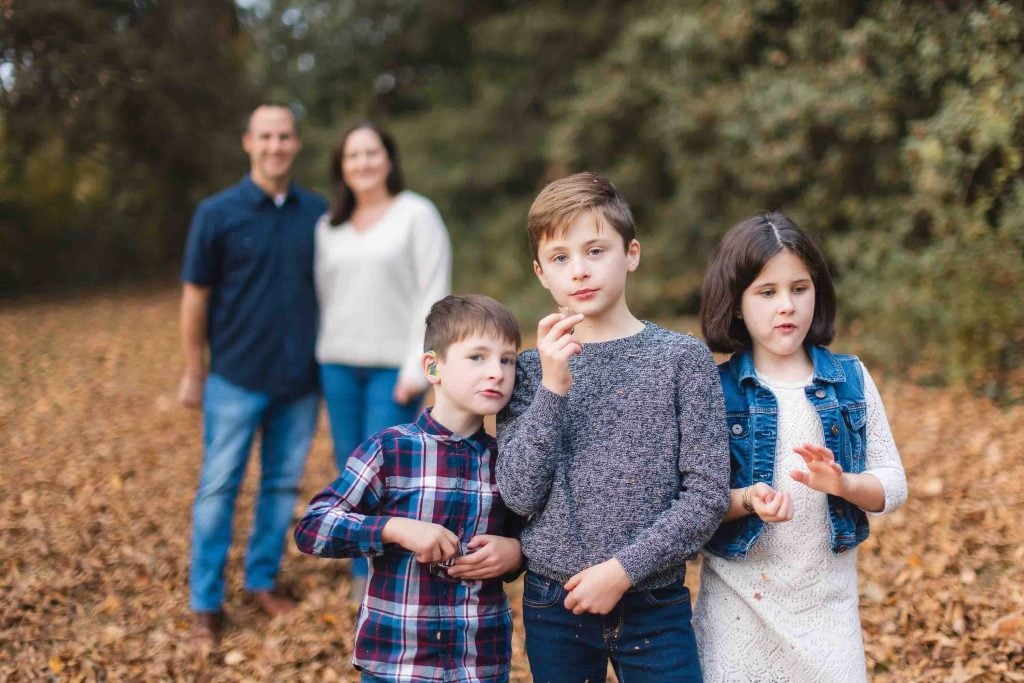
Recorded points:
383,257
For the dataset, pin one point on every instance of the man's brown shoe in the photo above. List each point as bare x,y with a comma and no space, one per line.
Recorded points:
207,628
273,604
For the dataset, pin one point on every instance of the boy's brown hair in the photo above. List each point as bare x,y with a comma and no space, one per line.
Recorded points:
562,201
458,316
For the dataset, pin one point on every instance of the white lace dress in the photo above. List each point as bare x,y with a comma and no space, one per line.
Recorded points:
790,610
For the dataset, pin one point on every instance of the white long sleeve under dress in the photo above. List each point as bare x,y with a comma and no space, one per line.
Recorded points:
790,610
376,286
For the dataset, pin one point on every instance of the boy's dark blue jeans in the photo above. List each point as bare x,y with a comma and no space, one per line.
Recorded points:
647,636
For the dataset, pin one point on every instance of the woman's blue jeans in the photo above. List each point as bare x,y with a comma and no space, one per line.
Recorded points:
359,404
231,417
647,636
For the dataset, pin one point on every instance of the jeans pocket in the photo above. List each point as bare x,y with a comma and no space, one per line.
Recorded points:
672,594
540,592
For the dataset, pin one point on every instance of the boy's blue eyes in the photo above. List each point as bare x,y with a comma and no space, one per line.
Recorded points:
562,258
504,361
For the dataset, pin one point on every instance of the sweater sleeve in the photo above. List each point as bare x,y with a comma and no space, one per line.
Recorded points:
337,522
703,461
432,266
529,439
883,460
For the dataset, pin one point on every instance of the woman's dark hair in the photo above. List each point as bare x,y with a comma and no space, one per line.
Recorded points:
742,254
344,201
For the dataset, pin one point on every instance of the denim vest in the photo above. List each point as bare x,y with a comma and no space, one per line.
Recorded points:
837,394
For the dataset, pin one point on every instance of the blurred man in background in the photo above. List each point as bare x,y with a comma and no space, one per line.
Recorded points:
249,297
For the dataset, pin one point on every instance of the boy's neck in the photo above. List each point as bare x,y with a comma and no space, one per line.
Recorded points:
615,323
459,421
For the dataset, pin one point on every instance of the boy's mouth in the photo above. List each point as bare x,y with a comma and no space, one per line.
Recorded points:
583,293
492,393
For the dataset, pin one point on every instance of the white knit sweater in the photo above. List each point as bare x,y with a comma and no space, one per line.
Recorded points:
375,286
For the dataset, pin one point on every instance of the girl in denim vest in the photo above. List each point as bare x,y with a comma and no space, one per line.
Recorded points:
811,453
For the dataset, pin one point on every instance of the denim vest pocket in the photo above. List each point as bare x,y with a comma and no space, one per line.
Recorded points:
540,592
855,419
672,594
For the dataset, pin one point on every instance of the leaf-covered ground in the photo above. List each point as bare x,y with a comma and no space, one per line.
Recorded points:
98,467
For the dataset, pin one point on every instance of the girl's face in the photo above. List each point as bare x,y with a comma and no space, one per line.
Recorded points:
364,162
778,308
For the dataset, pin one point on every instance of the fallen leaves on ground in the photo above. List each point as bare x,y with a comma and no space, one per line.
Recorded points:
99,465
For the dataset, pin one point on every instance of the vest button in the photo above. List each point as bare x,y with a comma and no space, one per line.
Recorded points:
835,430
737,429
820,393
842,548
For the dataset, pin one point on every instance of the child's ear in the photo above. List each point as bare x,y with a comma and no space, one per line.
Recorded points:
539,272
633,255
430,370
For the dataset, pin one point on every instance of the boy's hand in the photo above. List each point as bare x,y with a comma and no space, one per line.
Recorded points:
490,557
824,473
597,589
556,346
430,542
769,504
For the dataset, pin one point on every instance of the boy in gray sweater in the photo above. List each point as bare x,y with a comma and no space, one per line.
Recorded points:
614,447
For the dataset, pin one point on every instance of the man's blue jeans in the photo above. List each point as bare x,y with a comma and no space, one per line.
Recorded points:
231,417
647,636
359,404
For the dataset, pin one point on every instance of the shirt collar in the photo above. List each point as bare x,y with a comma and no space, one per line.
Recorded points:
255,194
438,431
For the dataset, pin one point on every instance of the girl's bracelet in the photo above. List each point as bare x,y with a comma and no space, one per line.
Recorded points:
746,501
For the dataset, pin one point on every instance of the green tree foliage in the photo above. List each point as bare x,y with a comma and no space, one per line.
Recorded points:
115,117
892,129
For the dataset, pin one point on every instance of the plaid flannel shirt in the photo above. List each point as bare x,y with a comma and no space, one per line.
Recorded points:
414,625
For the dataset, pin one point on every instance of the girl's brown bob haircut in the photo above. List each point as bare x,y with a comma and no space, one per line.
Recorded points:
742,254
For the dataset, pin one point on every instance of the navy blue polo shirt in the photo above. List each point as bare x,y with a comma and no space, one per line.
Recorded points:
257,259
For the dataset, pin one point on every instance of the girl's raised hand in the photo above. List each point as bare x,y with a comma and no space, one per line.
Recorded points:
556,346
769,504
823,472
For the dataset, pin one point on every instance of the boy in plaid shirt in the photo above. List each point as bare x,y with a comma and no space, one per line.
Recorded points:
421,501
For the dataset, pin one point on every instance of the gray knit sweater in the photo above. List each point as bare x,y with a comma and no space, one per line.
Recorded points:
633,463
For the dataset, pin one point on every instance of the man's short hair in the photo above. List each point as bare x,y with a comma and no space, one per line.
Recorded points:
564,200
458,316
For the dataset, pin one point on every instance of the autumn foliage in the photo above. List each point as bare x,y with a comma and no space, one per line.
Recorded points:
99,467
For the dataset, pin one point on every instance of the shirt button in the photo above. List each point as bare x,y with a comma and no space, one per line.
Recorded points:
737,429
842,549
835,430
820,393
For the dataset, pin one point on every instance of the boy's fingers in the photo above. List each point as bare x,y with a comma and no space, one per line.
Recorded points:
562,327
546,323
479,541
572,582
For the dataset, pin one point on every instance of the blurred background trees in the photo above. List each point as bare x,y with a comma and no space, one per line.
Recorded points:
893,130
